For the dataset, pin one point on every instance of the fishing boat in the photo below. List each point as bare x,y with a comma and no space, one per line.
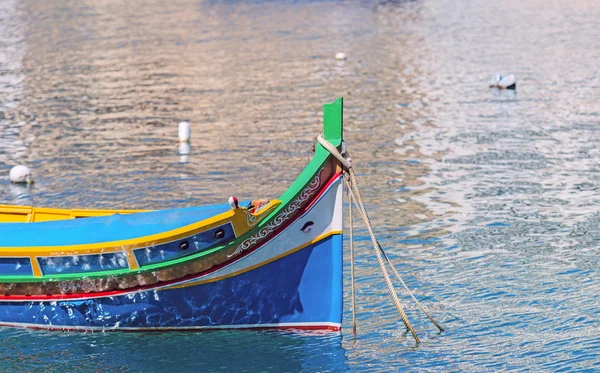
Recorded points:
274,264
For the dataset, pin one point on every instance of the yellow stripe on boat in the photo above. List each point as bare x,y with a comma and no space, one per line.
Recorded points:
35,267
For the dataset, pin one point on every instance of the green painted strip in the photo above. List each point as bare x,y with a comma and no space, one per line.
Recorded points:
333,132
120,272
333,122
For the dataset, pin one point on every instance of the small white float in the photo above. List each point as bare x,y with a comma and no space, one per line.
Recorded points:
508,82
496,78
21,175
184,131
503,82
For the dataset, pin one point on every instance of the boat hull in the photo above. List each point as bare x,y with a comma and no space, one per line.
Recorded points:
264,264
299,291
277,286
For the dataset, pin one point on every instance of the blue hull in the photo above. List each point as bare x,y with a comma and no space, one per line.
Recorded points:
300,290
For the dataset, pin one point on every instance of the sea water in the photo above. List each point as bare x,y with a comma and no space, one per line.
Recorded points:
487,201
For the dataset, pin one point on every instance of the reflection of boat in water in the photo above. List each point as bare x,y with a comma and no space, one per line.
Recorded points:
263,264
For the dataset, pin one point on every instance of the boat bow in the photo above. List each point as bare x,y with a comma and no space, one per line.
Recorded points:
200,267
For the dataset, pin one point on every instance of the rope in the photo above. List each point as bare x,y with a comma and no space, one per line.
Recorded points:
333,150
352,186
386,275
407,289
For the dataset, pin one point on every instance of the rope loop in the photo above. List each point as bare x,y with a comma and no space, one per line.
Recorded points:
346,162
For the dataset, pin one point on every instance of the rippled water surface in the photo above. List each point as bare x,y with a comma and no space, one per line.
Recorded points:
488,201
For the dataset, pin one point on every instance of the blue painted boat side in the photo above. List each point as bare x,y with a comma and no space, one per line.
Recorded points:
114,227
186,246
15,266
303,288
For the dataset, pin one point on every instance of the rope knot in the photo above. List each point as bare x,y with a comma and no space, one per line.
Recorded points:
343,157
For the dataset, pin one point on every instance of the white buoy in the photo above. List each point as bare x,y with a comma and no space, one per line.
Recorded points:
340,56
184,131
21,175
508,82
496,78
503,82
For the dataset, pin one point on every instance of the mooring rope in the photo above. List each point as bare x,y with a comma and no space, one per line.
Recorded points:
357,199
407,289
384,271
333,150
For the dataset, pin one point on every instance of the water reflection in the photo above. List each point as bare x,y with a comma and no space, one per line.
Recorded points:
184,150
21,193
162,352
